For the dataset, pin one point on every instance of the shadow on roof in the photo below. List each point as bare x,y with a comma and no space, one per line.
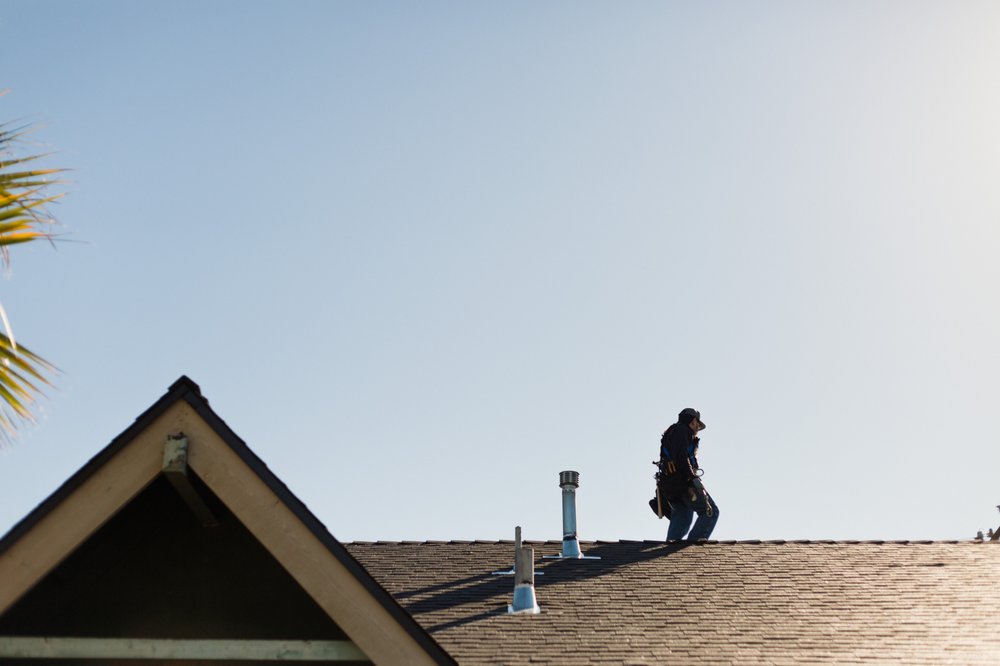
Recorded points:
483,589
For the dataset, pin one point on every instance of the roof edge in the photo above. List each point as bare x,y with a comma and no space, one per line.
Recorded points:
711,542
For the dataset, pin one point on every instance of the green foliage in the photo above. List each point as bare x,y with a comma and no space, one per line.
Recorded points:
24,194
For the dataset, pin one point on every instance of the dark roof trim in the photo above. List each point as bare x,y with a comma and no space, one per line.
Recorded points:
730,542
187,390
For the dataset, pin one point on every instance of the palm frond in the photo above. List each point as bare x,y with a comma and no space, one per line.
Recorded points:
23,375
24,195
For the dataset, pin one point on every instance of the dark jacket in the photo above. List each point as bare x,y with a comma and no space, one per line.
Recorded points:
678,459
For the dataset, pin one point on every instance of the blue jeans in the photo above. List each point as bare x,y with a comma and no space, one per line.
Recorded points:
682,510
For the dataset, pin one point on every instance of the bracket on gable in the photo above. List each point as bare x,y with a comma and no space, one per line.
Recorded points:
175,456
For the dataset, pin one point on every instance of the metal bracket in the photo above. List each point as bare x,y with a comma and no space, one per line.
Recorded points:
175,466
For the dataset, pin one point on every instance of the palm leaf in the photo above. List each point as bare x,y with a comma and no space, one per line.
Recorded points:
24,195
22,376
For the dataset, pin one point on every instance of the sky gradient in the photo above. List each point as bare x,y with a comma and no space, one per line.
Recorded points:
422,257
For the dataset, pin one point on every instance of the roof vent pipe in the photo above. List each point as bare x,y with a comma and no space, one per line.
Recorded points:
569,481
517,548
524,580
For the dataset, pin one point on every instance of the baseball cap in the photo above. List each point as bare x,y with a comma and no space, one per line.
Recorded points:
688,413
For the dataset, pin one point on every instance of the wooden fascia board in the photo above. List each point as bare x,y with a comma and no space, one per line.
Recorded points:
82,508
169,649
326,579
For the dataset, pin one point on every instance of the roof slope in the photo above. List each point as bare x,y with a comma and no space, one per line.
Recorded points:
715,602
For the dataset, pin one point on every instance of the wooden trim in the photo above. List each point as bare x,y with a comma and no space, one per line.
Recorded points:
67,525
342,596
48,647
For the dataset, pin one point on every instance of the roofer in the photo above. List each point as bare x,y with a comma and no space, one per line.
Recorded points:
679,481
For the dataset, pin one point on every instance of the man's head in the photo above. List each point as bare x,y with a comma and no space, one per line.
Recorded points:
691,418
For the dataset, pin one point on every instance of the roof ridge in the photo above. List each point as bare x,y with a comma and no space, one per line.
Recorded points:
186,382
721,542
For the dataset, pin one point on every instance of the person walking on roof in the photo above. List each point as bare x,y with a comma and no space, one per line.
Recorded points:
679,480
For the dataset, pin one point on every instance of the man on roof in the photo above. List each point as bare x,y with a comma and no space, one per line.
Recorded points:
679,481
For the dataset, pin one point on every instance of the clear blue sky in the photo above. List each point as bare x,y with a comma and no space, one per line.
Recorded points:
424,256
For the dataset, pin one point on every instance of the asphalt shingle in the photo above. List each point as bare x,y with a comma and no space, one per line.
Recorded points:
733,602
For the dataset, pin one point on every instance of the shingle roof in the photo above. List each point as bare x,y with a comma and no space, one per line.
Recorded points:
717,602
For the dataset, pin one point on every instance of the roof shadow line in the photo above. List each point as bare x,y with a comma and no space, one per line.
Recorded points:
441,586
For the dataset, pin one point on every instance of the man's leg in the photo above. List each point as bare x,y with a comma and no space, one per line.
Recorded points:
708,515
681,515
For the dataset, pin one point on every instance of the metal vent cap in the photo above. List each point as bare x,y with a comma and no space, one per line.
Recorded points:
569,478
